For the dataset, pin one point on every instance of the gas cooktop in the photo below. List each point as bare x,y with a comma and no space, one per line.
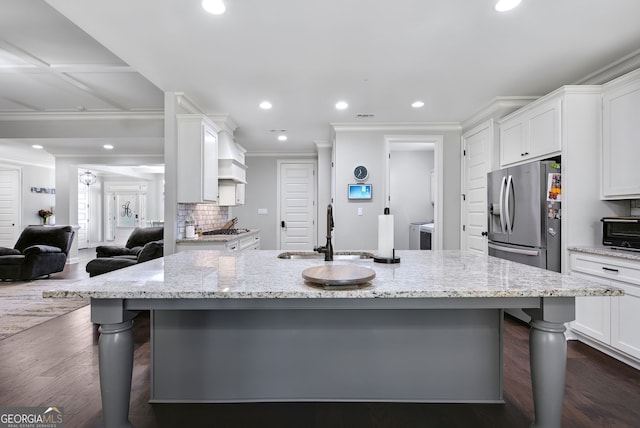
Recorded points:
225,231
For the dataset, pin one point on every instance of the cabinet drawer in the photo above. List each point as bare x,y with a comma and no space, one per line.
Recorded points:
249,242
606,267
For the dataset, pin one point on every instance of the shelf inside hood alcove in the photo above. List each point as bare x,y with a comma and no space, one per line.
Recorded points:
231,169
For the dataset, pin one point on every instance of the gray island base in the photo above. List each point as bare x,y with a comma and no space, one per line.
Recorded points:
229,327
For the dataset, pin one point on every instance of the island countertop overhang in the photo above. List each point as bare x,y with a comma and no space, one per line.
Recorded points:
260,274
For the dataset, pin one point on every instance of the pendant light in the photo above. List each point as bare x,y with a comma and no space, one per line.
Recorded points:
88,178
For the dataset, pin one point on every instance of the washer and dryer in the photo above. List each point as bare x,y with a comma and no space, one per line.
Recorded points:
420,235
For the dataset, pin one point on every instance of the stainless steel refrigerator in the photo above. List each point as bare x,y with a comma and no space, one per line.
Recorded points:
524,214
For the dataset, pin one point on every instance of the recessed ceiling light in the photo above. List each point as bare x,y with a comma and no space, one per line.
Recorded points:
37,146
282,137
108,146
341,105
265,105
417,104
215,7
505,5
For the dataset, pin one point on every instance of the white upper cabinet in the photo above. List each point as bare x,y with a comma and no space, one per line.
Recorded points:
230,193
197,159
621,138
531,133
566,122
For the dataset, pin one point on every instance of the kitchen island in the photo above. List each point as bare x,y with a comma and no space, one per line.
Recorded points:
241,327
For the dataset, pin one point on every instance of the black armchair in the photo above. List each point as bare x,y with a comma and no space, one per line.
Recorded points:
151,250
138,238
39,251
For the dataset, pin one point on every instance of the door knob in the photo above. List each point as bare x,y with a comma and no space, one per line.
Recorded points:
282,224
485,234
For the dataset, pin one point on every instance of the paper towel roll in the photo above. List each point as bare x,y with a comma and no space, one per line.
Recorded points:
385,236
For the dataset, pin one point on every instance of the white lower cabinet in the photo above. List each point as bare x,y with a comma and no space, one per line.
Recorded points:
609,323
625,320
593,314
250,241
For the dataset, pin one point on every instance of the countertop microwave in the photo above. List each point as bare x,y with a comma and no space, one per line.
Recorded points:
622,232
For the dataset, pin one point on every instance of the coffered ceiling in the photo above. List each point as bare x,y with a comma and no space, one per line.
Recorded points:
117,57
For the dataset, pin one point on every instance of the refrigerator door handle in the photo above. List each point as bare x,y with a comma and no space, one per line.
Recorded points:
503,186
506,204
515,250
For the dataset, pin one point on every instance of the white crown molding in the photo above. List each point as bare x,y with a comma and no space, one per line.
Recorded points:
632,76
396,126
225,122
612,71
89,115
185,102
496,108
6,163
323,144
283,154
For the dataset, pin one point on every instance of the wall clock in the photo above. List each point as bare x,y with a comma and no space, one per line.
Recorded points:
361,173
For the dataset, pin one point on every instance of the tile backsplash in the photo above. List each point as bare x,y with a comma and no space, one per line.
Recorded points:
635,207
206,216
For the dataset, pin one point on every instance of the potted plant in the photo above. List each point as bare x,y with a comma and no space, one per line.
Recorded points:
45,214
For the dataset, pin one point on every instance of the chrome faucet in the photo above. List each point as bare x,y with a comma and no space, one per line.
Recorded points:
328,248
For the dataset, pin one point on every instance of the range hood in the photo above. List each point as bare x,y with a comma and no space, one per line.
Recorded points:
230,158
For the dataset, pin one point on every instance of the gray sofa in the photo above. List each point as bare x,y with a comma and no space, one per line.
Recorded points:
150,250
144,243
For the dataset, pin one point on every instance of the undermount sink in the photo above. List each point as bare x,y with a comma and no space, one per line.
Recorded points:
337,255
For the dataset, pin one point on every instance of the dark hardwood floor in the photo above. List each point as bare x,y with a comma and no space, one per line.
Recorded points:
56,364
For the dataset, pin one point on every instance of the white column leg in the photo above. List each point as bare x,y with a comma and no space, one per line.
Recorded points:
548,358
116,366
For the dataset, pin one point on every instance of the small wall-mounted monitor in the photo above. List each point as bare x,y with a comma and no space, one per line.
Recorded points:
360,192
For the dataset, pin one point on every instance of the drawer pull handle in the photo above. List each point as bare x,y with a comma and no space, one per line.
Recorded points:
610,269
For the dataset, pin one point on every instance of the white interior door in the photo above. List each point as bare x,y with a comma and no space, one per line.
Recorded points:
476,163
130,212
296,205
9,207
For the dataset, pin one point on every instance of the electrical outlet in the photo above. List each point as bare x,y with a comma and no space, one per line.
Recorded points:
360,211
263,211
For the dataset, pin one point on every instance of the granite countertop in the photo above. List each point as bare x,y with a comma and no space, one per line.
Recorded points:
608,251
218,238
261,274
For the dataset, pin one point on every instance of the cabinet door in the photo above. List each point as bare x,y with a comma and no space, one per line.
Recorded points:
227,193
209,164
621,142
593,314
512,134
240,192
197,160
625,320
535,133
544,130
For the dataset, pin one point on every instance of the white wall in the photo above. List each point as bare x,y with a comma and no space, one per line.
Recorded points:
36,176
351,231
367,147
36,169
261,192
